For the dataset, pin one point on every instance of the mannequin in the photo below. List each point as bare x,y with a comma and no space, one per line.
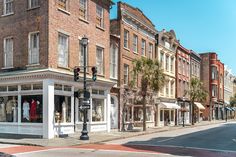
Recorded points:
9,107
63,116
26,109
99,113
33,107
14,108
2,112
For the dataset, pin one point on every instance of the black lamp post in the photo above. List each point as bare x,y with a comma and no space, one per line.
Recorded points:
84,133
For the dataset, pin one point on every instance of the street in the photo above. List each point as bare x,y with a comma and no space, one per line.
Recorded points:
211,141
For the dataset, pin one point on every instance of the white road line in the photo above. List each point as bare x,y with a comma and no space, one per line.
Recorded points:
165,140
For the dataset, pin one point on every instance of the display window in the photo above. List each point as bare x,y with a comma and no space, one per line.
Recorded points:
8,109
138,113
62,109
98,109
32,109
161,115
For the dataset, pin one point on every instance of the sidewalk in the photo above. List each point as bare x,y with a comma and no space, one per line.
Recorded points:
94,137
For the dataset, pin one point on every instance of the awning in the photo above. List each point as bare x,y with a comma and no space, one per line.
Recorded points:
199,105
169,105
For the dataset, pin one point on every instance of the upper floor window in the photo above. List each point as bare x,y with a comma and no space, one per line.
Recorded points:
162,59
8,7
172,88
63,49
180,66
214,72
113,61
8,52
34,48
81,54
172,64
126,39
33,3
99,16
143,47
63,4
167,88
99,60
214,90
126,74
183,69
150,51
167,63
83,9
135,43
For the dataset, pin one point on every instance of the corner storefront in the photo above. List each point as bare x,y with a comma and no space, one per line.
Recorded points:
42,103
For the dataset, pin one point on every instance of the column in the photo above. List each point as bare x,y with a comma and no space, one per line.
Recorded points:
48,109
108,112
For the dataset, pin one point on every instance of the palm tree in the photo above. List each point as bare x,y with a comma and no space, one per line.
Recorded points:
152,78
233,101
196,93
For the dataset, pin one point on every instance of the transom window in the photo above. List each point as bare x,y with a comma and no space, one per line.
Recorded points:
99,16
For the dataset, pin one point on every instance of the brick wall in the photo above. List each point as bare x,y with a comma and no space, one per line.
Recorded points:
18,26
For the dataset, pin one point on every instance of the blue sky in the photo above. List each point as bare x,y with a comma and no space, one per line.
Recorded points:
200,25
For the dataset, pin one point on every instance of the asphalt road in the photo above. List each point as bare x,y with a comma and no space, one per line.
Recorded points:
217,140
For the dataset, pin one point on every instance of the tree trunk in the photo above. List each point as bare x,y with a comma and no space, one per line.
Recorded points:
193,112
210,111
144,113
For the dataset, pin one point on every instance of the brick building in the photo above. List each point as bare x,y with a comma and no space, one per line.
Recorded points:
41,44
137,38
195,72
166,53
212,76
182,83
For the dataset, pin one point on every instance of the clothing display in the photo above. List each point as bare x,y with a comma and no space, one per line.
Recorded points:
26,109
63,118
9,108
2,112
33,107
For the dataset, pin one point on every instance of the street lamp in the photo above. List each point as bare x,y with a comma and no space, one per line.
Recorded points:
183,108
84,133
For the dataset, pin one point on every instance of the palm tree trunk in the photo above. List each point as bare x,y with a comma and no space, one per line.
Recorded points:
144,113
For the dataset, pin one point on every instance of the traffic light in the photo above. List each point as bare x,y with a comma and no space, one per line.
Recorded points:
76,74
94,73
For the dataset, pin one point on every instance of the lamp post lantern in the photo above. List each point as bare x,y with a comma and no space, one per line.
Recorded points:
84,133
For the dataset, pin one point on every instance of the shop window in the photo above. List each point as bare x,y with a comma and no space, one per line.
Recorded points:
67,88
3,88
38,86
62,109
98,92
161,115
58,87
8,109
98,110
138,114
26,87
13,88
148,114
32,109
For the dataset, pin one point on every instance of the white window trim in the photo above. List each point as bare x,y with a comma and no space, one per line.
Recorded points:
127,74
4,8
143,48
31,7
136,43
86,10
62,34
114,51
127,39
4,53
102,16
29,48
98,47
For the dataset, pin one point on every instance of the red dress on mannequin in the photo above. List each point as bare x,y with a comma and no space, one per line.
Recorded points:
33,107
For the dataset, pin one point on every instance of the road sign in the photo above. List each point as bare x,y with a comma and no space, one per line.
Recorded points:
81,107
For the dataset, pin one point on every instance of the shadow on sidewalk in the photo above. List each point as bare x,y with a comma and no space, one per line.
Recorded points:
17,136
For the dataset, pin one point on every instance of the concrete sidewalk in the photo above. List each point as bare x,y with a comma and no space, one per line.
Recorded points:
94,137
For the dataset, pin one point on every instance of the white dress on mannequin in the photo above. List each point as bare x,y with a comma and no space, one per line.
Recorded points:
63,120
26,109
